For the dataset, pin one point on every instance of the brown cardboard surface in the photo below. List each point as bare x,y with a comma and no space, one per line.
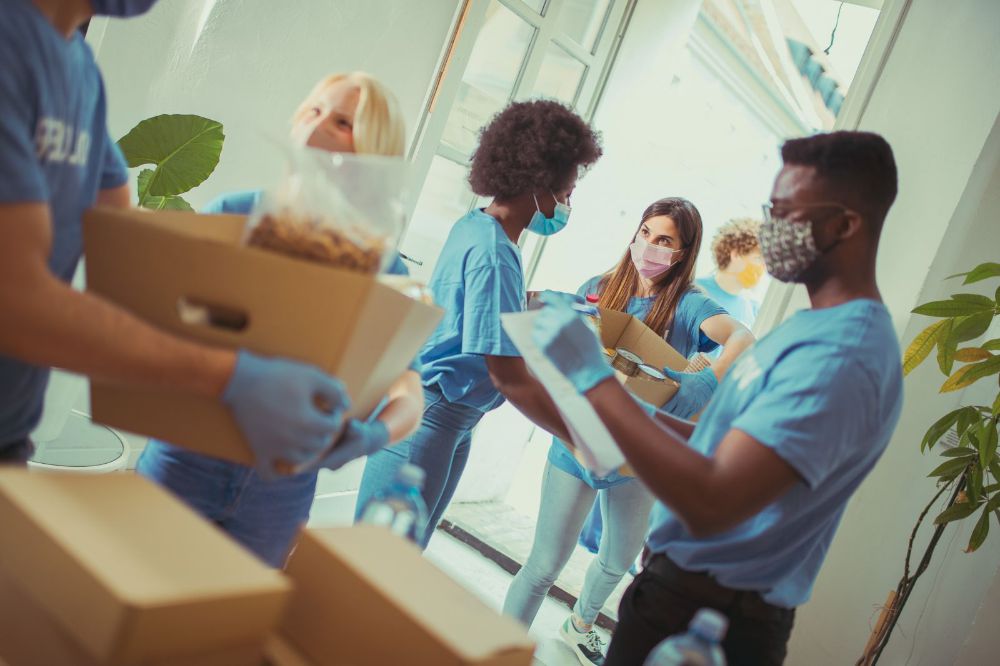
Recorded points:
130,573
355,326
623,330
366,597
278,652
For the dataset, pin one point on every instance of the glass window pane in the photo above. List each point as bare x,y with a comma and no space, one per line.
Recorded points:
560,75
582,20
489,77
444,198
537,5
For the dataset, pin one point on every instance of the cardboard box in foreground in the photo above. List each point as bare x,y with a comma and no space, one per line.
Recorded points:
190,274
130,574
366,597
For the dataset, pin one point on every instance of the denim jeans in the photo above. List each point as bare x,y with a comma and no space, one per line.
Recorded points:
264,516
440,446
565,502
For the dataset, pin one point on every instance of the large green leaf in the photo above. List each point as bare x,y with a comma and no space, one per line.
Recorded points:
955,512
960,452
967,416
987,443
951,308
146,200
984,301
981,272
950,469
921,346
992,345
971,327
184,148
939,428
979,532
946,348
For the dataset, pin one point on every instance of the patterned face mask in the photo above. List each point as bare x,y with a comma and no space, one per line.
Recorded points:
788,248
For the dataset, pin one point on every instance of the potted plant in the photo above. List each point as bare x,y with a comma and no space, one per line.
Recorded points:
969,472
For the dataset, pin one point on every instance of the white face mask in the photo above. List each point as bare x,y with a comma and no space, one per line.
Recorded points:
651,260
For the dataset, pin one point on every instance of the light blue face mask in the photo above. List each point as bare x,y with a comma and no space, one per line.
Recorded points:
546,226
121,8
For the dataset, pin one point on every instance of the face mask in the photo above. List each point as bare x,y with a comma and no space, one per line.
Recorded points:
788,247
546,226
121,8
651,260
750,276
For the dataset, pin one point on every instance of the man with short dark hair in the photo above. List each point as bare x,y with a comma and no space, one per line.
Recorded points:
751,496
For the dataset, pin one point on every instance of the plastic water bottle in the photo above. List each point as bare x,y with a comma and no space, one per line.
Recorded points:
700,646
400,507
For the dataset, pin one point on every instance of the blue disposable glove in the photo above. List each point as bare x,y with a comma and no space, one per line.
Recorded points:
695,391
360,438
289,412
569,343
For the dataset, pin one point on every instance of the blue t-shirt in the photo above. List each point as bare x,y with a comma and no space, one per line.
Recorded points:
824,391
685,335
477,278
55,150
741,308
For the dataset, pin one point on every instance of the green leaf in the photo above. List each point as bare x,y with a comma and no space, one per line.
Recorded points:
995,470
974,483
184,148
946,348
971,327
970,374
921,346
955,512
987,443
960,452
939,428
990,489
982,272
985,301
142,185
966,417
991,345
979,532
996,405
951,308
950,469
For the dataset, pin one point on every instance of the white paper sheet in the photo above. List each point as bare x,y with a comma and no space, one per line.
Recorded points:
595,447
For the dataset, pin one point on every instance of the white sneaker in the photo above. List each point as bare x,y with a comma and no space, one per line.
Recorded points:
587,646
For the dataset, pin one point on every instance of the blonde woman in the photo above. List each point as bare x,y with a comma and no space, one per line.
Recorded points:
740,265
348,113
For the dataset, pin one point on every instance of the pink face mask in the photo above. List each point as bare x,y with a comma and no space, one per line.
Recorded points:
651,260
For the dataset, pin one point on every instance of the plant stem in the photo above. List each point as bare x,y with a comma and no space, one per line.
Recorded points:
913,534
907,582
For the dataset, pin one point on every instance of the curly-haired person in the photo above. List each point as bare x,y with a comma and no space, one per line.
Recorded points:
740,268
528,160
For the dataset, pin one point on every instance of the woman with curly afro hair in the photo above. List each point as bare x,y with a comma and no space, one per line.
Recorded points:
528,160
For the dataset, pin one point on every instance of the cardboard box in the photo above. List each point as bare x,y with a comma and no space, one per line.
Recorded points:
189,274
366,597
620,330
129,573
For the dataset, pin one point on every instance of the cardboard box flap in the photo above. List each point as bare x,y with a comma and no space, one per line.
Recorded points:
112,555
623,330
404,580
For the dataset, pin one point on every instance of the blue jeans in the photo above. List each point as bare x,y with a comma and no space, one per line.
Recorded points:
264,516
565,502
440,446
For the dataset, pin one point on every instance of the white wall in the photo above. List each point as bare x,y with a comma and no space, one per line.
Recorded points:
248,64
937,104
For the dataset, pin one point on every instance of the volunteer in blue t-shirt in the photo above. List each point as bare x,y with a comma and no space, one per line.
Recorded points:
739,268
528,161
652,281
345,113
751,495
57,160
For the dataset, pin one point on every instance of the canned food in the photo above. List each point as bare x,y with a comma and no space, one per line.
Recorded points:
626,362
652,373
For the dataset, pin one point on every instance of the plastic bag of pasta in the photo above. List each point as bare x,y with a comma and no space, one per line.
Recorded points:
340,209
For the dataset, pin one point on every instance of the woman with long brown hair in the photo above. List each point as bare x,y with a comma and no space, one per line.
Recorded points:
652,281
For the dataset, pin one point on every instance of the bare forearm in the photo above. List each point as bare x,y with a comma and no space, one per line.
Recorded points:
406,405
738,342
53,325
682,427
534,402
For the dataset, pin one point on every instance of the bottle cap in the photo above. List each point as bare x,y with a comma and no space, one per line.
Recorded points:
710,623
593,298
411,475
